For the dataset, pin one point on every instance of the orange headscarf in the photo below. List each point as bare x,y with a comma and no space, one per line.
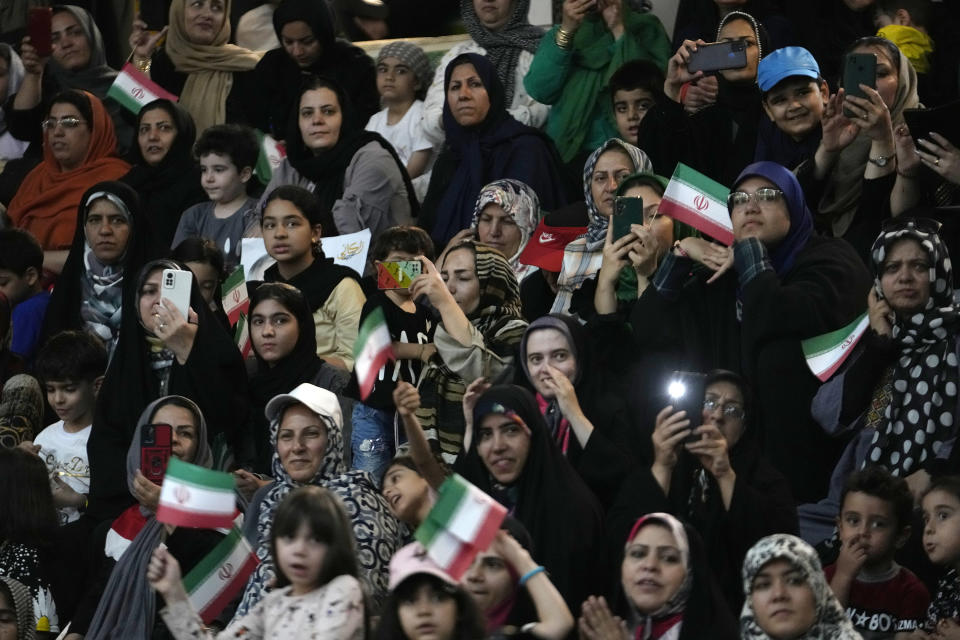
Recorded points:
47,200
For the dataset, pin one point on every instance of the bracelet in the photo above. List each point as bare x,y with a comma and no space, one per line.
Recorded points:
679,249
143,64
529,574
564,38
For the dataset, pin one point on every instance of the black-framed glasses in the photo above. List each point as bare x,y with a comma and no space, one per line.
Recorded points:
67,122
923,225
729,410
761,195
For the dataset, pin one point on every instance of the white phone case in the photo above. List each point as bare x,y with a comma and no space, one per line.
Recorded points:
175,286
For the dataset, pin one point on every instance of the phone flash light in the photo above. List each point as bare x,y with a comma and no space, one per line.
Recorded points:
677,389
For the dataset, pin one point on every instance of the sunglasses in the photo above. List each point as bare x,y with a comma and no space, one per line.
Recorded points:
67,122
923,225
764,194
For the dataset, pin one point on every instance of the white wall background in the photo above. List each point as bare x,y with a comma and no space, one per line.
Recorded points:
666,10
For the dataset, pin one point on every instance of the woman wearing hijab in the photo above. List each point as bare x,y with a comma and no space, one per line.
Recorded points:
787,284
306,430
782,573
113,240
305,29
17,604
722,485
11,72
574,63
161,353
123,604
512,458
197,63
502,33
357,176
606,167
904,370
484,142
853,171
77,62
480,327
164,171
79,149
667,591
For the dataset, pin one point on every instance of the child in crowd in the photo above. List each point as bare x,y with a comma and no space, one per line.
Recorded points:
316,584
403,75
227,154
411,328
904,23
941,541
881,597
634,89
205,260
21,265
794,97
71,366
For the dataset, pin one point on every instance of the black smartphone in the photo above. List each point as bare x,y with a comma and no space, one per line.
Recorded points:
944,120
858,68
717,56
38,28
685,391
155,450
626,211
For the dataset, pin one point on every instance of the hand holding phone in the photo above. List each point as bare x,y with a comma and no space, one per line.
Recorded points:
38,28
398,274
858,68
175,286
685,391
155,451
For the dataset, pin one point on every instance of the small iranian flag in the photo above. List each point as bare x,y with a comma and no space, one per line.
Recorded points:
826,353
133,90
217,579
372,350
462,523
192,496
271,154
698,201
242,337
235,297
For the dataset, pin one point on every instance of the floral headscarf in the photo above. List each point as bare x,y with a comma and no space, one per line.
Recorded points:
521,203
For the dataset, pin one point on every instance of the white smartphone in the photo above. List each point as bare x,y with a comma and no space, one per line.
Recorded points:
175,286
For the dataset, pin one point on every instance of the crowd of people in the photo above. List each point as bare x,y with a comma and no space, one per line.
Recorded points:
736,428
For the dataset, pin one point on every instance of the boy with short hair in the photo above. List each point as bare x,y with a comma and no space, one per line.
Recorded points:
71,366
634,89
21,267
227,153
411,327
904,23
794,95
881,597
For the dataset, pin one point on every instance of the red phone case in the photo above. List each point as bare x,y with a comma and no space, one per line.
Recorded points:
155,451
38,28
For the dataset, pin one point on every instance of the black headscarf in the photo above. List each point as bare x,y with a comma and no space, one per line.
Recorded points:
548,498
326,168
64,310
172,186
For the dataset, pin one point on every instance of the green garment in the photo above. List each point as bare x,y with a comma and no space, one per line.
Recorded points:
576,81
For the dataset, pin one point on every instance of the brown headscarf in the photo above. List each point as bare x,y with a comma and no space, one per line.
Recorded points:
47,200
209,67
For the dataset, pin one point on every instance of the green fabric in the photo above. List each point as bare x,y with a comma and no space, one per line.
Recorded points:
576,82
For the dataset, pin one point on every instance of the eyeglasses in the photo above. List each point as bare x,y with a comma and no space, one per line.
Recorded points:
67,122
729,410
923,225
764,194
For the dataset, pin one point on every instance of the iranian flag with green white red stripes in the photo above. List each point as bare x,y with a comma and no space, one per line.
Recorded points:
696,200
133,89
217,579
826,353
192,496
371,350
462,523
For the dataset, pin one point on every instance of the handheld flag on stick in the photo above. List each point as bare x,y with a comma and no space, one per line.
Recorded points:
698,201
217,579
236,300
133,89
372,350
192,496
826,353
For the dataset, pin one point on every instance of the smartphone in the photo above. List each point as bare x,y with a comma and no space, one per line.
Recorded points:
153,12
38,28
626,211
175,286
155,450
397,275
944,120
685,391
717,56
858,68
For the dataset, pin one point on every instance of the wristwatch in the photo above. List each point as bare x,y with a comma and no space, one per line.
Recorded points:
881,161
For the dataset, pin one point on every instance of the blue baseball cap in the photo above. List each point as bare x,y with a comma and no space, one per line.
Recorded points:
783,63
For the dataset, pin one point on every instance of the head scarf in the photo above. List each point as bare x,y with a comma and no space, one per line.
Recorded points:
45,203
841,195
831,622
504,45
919,417
801,220
757,31
676,604
210,67
15,73
376,530
128,605
597,229
96,77
499,290
315,14
412,56
22,602
521,203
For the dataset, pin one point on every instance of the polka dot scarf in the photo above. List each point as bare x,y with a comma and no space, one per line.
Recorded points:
923,395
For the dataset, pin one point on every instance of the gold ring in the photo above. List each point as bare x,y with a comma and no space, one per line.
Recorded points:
937,162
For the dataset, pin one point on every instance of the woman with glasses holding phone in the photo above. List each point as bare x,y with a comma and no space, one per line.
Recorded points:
708,471
79,149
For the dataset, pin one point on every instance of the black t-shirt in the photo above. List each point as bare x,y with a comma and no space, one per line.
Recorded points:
415,328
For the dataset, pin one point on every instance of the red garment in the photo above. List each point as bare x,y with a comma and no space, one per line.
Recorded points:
562,437
881,609
46,202
659,627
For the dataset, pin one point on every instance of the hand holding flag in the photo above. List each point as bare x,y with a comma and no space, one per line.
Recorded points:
698,201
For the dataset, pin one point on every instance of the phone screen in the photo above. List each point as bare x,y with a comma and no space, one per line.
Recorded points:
38,28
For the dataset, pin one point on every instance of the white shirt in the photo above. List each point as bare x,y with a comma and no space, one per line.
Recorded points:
65,454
